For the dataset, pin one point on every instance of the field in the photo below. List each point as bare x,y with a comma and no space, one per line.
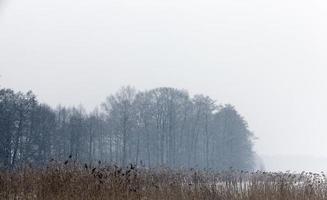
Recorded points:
83,182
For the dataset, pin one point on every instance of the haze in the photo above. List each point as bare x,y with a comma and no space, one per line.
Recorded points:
265,57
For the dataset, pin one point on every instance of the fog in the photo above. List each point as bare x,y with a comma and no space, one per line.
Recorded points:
265,57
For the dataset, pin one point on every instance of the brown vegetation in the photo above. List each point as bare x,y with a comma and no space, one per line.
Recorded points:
84,182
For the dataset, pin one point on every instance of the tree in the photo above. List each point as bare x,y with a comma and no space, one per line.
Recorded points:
160,127
122,114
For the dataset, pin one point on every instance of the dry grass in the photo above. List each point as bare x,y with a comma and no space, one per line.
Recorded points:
73,182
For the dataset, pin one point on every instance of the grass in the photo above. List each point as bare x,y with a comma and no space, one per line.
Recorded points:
65,182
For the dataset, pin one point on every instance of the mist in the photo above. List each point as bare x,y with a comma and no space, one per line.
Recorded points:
265,58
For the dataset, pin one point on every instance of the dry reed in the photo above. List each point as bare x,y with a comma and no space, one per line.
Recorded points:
64,182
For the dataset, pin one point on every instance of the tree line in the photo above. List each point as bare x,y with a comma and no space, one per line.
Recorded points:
159,127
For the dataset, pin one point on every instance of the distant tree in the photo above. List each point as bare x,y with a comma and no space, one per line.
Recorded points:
8,124
160,127
235,139
122,114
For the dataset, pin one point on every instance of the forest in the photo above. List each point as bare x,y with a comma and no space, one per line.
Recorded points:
162,127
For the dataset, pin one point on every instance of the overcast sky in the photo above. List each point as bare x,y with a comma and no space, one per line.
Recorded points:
268,58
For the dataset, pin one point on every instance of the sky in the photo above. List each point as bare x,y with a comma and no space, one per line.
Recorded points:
268,58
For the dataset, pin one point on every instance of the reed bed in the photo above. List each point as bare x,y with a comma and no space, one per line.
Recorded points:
66,182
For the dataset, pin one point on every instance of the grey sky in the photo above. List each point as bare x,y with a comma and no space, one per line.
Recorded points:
268,58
